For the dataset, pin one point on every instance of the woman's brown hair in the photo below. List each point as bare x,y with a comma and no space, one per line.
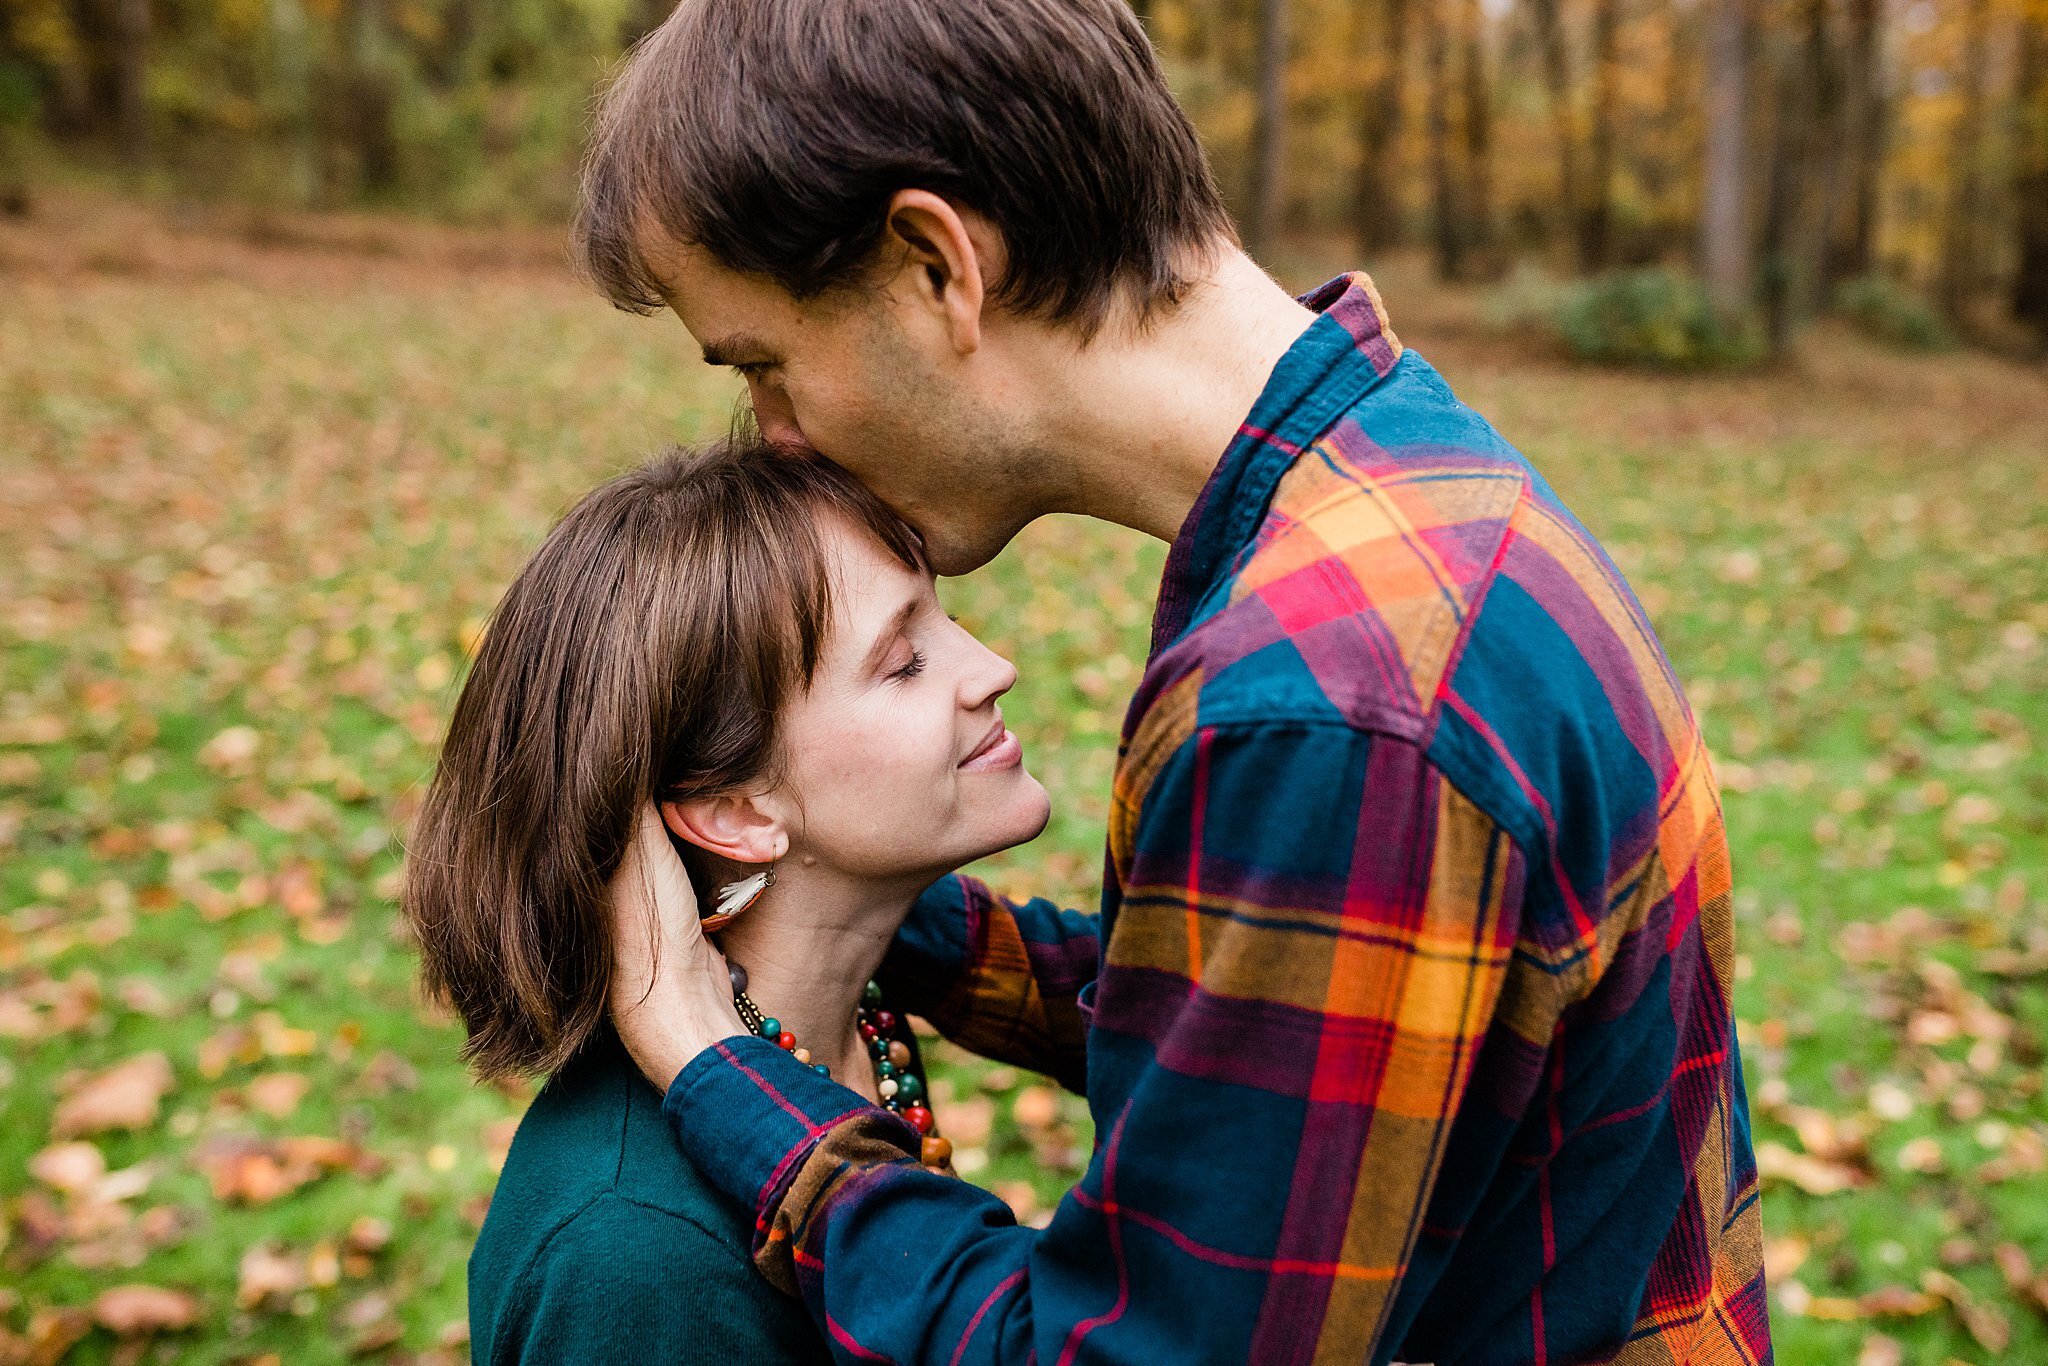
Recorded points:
644,652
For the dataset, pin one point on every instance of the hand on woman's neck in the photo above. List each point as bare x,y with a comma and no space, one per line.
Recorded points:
809,946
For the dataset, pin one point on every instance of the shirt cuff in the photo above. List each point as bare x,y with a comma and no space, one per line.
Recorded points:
747,1113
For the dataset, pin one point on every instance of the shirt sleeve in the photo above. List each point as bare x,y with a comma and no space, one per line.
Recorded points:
1000,978
1309,941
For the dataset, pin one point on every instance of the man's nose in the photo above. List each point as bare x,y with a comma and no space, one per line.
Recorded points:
774,415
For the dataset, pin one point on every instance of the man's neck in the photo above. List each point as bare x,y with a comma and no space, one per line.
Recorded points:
1147,410
806,967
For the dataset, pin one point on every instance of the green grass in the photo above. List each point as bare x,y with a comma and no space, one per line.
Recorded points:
285,503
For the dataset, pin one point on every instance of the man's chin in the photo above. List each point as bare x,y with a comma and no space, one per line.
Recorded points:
953,551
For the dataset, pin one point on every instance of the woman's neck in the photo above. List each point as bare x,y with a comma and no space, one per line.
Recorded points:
809,946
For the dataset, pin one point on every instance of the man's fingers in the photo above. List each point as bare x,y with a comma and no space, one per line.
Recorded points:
670,994
666,880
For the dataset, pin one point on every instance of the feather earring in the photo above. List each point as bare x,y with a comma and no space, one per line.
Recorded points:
735,897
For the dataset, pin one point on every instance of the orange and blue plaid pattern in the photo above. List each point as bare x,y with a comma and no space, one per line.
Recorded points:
1405,1020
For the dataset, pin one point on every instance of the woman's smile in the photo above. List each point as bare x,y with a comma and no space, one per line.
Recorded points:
999,749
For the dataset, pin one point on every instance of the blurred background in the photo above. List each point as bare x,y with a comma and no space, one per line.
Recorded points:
293,373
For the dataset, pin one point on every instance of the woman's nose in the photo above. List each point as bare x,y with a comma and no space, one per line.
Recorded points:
991,677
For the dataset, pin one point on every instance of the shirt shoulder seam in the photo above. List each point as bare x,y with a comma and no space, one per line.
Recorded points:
1424,749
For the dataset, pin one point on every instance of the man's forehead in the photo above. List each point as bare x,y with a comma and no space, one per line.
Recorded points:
684,272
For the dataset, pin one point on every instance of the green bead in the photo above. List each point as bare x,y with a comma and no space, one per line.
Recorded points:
884,1069
908,1088
771,1029
821,1069
871,995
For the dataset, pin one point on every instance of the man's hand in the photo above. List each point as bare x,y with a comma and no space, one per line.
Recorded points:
670,996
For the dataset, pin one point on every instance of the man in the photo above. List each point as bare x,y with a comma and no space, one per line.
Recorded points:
1405,1020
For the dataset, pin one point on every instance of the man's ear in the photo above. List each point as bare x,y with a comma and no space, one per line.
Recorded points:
735,827
947,254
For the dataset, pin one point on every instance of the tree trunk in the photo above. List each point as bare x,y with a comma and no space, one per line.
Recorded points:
1479,230
1661,172
1269,152
295,76
1863,123
1595,214
1557,83
1449,235
2030,180
1724,198
1790,184
372,99
1959,223
1378,207
1824,152
131,79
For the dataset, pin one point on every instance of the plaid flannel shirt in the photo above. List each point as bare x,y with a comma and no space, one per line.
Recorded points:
1405,1023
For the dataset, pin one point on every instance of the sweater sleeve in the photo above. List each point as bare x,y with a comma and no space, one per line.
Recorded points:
622,1283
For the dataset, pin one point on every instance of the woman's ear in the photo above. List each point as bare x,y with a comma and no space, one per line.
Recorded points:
734,826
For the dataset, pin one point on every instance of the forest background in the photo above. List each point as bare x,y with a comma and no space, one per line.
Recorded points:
293,373
1888,158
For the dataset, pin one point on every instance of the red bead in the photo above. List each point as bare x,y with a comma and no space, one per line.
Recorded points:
787,1040
885,1020
867,1031
920,1118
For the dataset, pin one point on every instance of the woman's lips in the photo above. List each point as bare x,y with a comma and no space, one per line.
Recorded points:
1000,750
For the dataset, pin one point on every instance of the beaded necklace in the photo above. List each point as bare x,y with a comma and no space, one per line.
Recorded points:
898,1070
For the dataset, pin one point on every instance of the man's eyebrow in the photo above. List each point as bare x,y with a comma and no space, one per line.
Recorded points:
897,621
739,348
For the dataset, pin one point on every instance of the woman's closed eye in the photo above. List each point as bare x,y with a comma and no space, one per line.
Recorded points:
913,668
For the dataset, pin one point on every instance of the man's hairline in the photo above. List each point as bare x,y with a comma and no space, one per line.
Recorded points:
658,245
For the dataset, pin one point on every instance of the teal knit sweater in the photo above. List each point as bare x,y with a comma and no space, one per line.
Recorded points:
604,1245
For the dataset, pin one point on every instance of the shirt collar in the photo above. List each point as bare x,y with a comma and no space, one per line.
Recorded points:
1342,354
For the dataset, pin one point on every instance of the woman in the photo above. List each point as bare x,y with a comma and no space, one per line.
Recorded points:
740,651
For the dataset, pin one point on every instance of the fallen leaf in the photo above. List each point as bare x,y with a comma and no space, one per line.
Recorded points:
1036,1107
277,1094
373,1323
52,1333
68,1167
967,1122
268,1273
1897,1302
1783,1256
232,750
368,1234
1776,1162
1020,1196
126,1096
244,1169
137,1310
1991,1329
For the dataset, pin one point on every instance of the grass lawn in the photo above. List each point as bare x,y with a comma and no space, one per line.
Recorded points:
258,492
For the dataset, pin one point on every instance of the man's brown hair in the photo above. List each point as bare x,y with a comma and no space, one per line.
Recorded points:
642,654
772,134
